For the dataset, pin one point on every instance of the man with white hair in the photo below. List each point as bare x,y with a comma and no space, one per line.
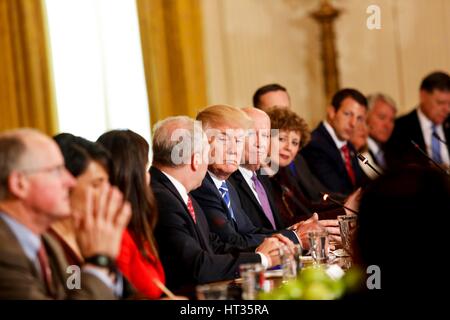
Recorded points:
380,122
190,253
34,193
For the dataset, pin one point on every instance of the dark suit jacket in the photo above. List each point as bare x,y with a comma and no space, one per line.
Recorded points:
310,186
293,205
326,163
190,253
399,149
19,278
241,233
251,205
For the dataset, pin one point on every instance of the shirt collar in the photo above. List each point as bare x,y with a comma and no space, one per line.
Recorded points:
339,143
217,182
373,145
248,174
28,240
179,186
425,123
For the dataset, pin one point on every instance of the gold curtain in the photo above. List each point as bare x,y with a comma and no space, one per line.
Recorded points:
172,46
26,93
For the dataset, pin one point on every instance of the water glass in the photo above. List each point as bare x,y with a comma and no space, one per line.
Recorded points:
213,291
252,275
318,242
347,226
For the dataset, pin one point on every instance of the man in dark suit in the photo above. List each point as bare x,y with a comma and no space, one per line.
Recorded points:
428,126
217,196
254,189
190,253
34,193
330,155
380,122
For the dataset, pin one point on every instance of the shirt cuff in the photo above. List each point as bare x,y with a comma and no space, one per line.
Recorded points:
116,287
264,260
298,238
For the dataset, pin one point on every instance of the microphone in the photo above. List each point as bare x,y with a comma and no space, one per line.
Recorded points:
416,146
326,197
366,162
439,138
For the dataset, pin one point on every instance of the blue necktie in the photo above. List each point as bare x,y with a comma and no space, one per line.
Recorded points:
435,146
380,158
292,168
226,198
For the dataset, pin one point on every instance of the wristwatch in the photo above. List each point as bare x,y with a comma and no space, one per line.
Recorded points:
103,261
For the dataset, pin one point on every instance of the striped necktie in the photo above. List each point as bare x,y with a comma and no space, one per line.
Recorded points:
226,198
435,146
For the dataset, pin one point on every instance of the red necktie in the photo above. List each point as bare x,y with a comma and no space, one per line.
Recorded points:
45,268
348,164
191,209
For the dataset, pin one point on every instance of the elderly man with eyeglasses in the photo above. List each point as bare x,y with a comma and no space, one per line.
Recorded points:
34,193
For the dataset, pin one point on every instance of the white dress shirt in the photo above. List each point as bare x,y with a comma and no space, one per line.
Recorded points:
248,174
218,183
339,143
373,145
179,186
427,132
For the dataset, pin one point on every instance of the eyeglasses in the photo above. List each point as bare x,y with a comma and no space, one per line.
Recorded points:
57,170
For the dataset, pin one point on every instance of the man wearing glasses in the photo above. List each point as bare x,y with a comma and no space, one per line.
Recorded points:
34,193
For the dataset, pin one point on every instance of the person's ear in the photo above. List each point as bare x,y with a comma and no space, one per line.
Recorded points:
331,112
18,184
423,95
196,160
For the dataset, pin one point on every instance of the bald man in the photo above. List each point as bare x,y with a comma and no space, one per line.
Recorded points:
254,189
34,193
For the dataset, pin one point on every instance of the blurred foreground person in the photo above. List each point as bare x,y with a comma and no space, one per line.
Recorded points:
34,194
400,236
89,164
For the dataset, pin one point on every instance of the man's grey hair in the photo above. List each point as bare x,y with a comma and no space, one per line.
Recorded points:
13,149
176,139
373,98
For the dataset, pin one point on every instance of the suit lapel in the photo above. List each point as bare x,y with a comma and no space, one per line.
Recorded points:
446,127
359,173
57,262
209,183
14,252
417,134
164,181
201,226
244,186
276,215
335,152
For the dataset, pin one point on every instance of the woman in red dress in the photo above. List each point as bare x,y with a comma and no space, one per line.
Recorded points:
138,259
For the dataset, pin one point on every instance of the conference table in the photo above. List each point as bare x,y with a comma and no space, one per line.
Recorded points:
273,278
